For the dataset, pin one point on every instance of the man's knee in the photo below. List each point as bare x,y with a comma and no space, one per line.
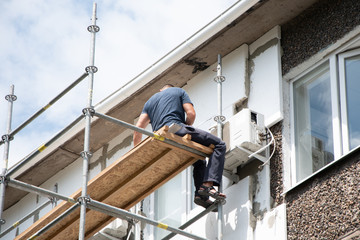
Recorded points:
221,146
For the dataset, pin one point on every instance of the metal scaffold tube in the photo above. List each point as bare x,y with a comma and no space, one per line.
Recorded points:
6,138
123,214
43,109
55,221
220,119
194,219
91,69
41,191
16,167
17,223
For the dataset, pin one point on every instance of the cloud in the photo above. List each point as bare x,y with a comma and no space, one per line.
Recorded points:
45,46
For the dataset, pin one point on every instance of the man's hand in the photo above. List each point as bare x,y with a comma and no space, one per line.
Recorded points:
143,121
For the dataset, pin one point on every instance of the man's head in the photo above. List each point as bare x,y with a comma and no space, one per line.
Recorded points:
166,86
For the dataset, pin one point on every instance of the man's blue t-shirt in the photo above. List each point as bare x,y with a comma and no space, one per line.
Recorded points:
166,107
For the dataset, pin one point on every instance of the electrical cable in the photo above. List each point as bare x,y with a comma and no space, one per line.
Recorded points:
274,148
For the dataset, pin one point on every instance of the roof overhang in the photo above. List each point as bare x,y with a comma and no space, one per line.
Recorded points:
243,23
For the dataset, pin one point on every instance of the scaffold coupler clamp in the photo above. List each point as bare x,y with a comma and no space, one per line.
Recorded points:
6,138
86,154
10,97
93,28
219,119
83,200
91,69
221,201
90,111
219,79
4,179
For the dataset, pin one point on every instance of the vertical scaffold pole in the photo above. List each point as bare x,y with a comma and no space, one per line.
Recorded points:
6,139
88,112
220,119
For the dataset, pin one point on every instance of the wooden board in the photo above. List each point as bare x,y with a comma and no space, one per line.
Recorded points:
124,183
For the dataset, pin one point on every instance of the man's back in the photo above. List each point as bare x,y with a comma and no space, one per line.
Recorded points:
166,107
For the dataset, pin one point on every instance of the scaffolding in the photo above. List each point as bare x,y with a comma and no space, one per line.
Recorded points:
69,208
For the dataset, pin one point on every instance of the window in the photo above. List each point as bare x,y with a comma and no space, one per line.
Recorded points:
325,113
173,201
168,205
313,122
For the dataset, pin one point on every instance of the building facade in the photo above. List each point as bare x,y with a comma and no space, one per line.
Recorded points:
293,67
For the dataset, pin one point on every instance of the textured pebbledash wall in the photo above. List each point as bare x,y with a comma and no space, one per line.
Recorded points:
276,167
328,205
317,28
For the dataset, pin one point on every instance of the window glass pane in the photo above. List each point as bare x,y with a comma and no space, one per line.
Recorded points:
168,203
313,122
352,75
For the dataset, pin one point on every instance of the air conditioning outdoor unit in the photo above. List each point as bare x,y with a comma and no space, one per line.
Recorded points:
244,133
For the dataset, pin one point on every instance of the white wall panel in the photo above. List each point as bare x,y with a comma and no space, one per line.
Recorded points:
265,76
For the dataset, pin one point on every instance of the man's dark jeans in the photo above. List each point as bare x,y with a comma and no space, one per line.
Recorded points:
211,172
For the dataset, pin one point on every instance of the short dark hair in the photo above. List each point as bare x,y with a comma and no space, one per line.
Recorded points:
168,85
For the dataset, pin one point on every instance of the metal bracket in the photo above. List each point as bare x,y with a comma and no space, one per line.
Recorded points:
93,28
91,69
219,79
253,154
231,175
2,221
90,111
53,200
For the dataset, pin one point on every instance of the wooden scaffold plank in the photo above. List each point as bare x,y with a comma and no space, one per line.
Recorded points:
123,184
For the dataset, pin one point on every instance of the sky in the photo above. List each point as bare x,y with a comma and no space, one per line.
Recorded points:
45,46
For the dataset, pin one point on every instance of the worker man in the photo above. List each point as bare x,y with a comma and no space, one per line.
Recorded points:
170,106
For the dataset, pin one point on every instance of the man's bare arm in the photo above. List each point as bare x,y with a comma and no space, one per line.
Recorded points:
143,121
190,113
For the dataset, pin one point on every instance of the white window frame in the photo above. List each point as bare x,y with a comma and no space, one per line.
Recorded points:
342,85
335,108
335,115
339,109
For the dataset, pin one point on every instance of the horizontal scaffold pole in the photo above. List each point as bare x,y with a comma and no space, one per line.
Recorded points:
55,221
123,214
32,213
150,134
43,147
41,191
43,109
194,219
